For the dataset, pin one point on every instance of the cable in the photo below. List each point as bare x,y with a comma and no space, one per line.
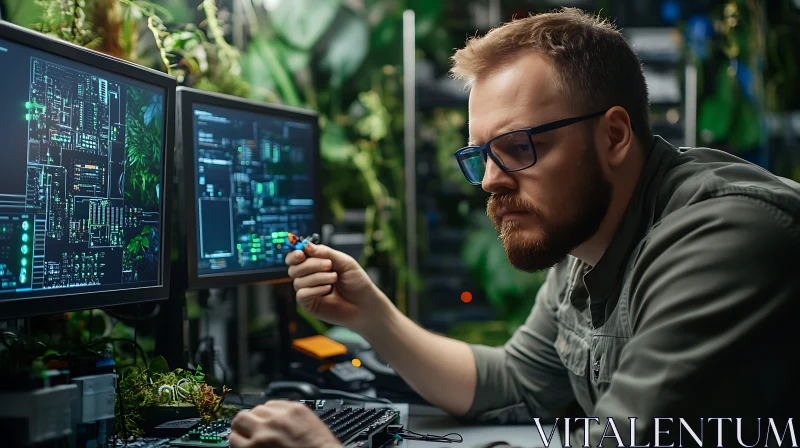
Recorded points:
411,435
354,396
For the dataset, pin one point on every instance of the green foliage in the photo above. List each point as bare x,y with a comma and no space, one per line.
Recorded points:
341,61
23,12
139,393
510,291
144,129
728,115
198,60
347,46
140,243
67,20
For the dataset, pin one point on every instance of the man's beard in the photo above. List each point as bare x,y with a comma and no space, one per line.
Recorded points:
593,196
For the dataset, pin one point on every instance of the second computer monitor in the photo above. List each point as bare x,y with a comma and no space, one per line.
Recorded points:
250,176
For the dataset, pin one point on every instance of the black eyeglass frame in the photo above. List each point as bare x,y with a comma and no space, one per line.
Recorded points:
486,147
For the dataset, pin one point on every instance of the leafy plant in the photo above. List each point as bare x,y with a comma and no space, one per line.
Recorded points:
731,114
344,61
139,244
143,131
139,260
141,390
67,20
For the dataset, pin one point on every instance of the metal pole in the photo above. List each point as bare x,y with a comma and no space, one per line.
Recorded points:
690,114
494,13
409,105
238,24
242,339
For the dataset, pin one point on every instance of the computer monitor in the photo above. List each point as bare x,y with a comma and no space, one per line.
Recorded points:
250,175
87,144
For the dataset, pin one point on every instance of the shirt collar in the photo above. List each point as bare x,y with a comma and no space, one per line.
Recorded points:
604,281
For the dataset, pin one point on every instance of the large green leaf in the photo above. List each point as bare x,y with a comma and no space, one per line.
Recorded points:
254,65
714,120
302,22
159,365
427,15
22,12
385,33
716,113
745,133
179,10
334,145
294,59
265,67
347,48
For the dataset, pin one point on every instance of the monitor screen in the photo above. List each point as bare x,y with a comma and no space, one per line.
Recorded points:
254,181
82,177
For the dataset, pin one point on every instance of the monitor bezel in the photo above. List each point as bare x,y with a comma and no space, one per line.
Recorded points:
61,299
187,98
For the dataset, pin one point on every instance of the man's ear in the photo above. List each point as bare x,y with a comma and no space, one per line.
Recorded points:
620,136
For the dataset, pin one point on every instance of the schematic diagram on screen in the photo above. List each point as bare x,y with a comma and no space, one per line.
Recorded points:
91,211
253,184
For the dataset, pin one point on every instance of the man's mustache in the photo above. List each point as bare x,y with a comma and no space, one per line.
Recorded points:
498,205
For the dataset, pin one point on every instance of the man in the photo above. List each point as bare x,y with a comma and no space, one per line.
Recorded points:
673,291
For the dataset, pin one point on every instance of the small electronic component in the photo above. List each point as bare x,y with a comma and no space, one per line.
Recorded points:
176,428
294,242
319,347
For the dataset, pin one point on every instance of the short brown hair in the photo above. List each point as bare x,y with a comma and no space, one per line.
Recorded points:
597,67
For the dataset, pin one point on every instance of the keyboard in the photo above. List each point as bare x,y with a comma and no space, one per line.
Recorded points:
354,426
359,427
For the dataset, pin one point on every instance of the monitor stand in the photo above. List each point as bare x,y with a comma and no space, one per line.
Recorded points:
170,323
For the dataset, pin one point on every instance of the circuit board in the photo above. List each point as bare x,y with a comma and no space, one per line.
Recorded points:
211,435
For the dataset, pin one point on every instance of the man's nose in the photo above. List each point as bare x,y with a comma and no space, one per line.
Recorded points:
495,180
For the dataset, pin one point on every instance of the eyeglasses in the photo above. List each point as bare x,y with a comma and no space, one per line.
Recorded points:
512,151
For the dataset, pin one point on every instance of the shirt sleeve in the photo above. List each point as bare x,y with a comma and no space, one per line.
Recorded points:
525,377
713,317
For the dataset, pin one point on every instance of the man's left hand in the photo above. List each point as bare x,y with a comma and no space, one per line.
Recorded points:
280,424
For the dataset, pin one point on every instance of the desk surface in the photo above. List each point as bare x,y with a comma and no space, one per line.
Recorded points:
428,420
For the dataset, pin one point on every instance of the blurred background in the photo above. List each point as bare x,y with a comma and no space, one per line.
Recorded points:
724,74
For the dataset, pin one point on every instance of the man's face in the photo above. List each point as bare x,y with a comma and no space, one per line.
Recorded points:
543,212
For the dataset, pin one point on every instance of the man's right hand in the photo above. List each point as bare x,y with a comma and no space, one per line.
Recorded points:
332,286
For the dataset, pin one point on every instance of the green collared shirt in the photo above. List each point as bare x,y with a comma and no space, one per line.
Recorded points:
692,311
